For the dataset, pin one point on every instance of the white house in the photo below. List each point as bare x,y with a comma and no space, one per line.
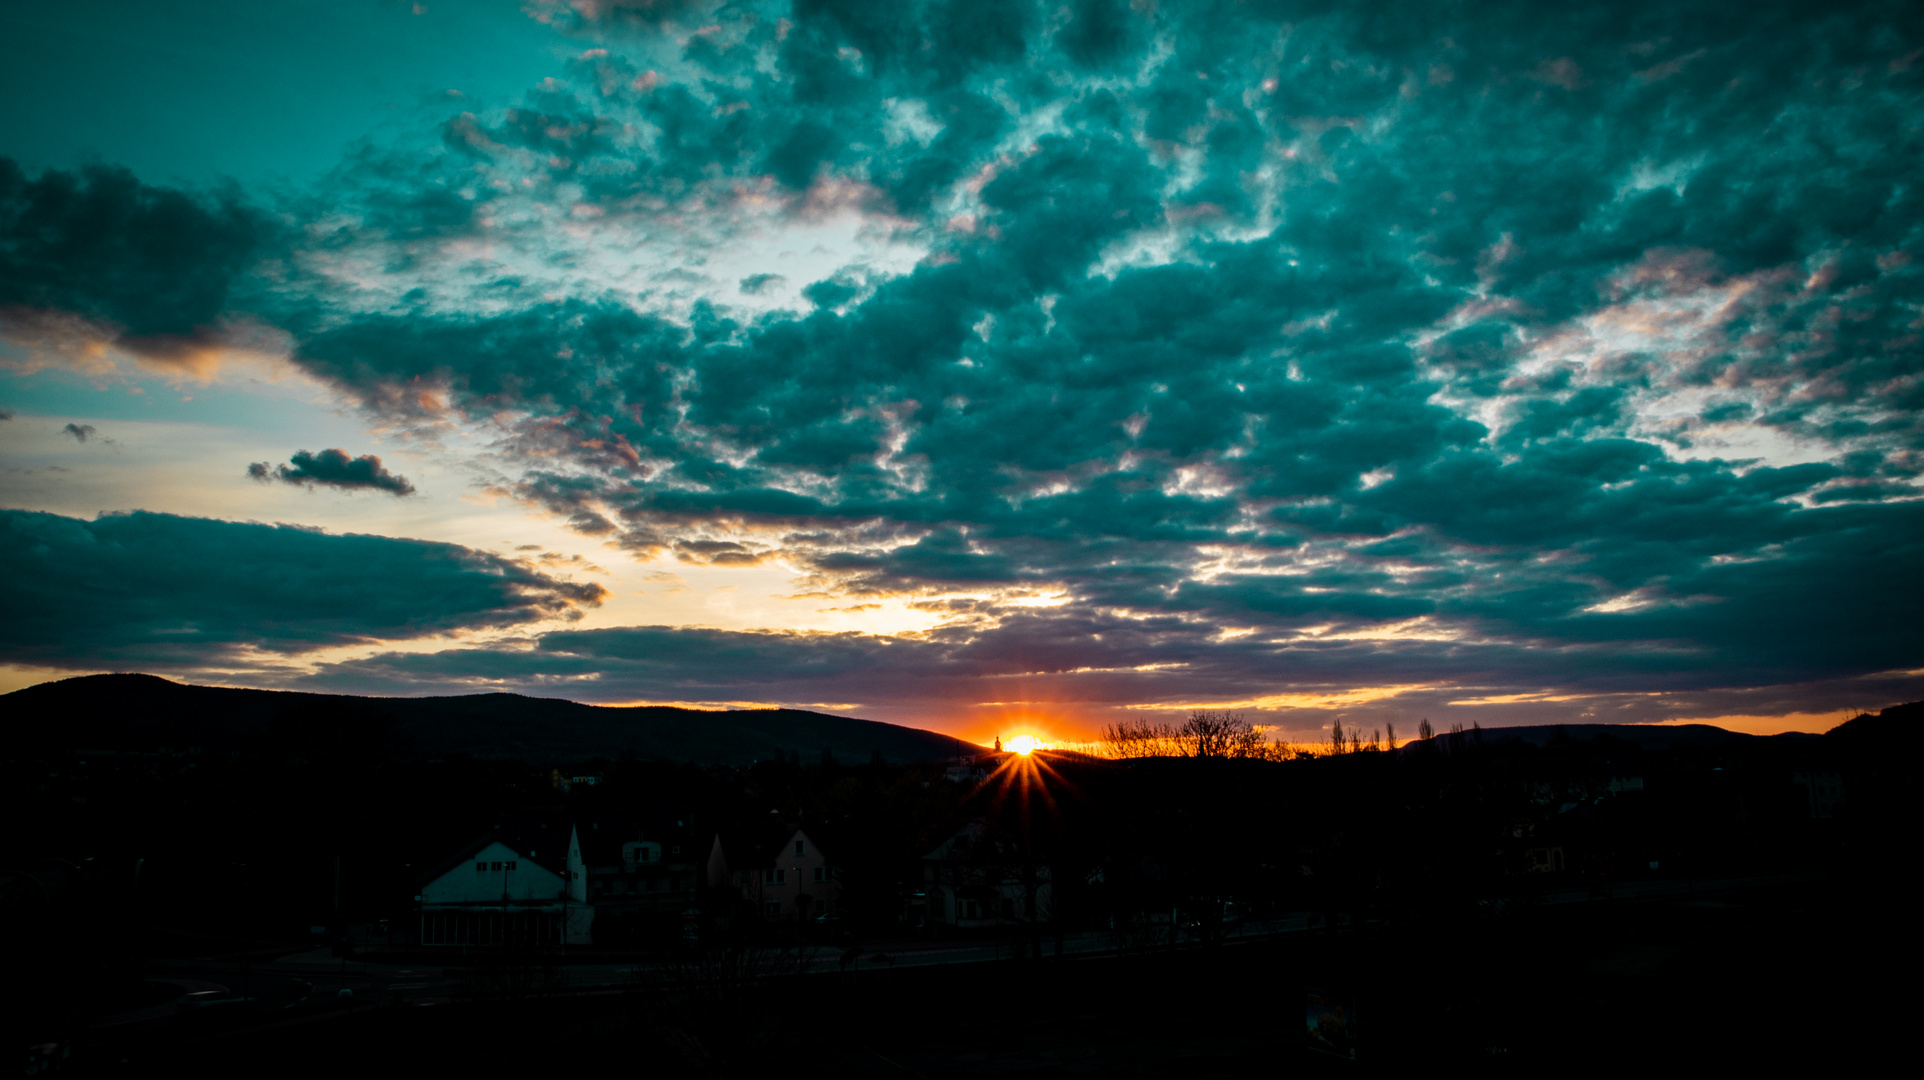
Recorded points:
510,886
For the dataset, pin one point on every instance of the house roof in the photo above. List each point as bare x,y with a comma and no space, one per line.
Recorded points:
603,835
976,842
755,847
544,843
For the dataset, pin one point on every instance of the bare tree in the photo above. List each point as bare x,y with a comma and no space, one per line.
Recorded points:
1424,731
1205,734
1143,738
1220,734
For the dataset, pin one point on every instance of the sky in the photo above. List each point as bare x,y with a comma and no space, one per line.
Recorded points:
983,365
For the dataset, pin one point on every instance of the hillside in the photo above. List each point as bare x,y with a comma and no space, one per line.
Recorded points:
1643,736
145,712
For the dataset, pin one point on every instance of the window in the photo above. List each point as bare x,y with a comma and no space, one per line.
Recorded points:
480,868
801,847
509,865
774,877
773,908
821,875
494,866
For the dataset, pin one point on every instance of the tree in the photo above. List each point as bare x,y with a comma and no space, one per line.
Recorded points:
1142,738
1220,734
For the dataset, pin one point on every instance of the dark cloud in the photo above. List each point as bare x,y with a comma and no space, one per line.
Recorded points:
80,432
151,267
333,468
155,590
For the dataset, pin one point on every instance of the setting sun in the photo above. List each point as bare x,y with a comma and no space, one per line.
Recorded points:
1025,745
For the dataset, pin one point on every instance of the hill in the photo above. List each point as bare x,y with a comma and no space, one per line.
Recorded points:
145,712
1893,732
1655,737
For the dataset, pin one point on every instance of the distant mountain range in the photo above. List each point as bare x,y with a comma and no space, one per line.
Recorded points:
145,712
1897,726
1642,736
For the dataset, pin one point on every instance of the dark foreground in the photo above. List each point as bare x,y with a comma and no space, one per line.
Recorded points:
1765,976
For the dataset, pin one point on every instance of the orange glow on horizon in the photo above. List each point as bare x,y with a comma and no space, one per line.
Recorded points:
1812,723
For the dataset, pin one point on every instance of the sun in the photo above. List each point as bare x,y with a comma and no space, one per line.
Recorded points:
1025,745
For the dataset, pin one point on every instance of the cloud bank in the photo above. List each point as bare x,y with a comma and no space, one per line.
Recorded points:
156,591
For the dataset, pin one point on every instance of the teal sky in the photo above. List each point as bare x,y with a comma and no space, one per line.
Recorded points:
204,90
991,365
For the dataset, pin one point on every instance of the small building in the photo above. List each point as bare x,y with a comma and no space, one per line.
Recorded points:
1823,793
981,877
779,872
507,886
972,768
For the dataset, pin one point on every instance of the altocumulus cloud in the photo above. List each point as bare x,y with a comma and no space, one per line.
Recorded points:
155,590
333,468
1433,343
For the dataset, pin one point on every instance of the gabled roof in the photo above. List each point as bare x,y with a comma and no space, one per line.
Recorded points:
976,842
756,847
603,835
544,843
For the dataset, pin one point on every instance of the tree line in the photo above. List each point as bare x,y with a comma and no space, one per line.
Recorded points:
1224,734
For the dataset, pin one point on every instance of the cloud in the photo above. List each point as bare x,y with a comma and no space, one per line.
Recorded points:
1336,328
155,590
80,432
1073,672
97,256
333,468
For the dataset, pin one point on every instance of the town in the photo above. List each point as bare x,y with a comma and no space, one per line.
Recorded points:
169,894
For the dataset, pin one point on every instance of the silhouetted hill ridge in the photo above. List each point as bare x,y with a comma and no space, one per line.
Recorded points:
1642,736
1896,729
146,712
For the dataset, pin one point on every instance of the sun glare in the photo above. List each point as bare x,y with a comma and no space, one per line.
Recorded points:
1025,745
